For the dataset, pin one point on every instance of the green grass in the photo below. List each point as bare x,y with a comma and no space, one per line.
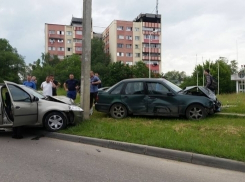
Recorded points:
221,136
233,103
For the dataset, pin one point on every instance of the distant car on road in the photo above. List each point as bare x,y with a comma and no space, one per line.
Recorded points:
157,97
21,105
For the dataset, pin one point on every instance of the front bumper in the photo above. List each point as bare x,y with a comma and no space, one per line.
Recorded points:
78,117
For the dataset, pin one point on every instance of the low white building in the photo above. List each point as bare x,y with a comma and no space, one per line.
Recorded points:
240,81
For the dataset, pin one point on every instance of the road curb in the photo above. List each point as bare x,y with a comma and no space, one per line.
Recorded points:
189,157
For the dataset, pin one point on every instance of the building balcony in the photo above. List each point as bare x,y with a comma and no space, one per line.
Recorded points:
56,36
152,50
152,41
152,58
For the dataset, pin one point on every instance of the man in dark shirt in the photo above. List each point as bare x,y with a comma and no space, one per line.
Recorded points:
70,86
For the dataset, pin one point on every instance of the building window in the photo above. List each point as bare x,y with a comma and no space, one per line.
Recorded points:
137,37
120,45
61,57
119,27
120,54
129,54
78,48
69,41
51,48
79,32
51,41
128,45
61,49
129,29
128,37
137,55
69,33
78,40
153,37
136,46
60,40
129,63
137,29
60,32
68,49
51,32
120,37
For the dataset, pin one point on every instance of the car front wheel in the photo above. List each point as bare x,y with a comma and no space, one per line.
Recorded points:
118,111
195,112
55,121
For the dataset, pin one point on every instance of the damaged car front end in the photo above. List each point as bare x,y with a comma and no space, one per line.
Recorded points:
205,92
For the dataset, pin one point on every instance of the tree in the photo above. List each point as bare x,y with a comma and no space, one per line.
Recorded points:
225,72
12,64
175,77
233,66
71,64
98,54
116,72
140,70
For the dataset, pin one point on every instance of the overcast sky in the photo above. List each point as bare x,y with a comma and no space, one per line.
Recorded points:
207,28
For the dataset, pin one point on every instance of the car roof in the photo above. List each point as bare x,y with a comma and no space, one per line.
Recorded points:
144,79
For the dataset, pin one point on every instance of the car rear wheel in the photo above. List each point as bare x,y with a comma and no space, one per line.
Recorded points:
118,111
55,121
196,112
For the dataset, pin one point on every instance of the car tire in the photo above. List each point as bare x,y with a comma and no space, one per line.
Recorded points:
118,111
196,112
55,121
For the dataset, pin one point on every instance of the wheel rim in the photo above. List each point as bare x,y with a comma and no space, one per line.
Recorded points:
118,111
196,113
55,122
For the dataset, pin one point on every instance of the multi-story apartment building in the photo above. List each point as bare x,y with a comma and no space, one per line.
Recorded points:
64,40
138,40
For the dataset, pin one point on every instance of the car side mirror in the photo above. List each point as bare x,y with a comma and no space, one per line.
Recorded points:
170,94
35,99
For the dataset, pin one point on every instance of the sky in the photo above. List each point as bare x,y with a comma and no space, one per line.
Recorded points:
192,30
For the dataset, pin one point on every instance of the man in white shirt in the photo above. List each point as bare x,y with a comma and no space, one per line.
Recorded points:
47,87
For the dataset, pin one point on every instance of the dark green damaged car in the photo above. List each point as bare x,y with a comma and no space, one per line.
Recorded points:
156,97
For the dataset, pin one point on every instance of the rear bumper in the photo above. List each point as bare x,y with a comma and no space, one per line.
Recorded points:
102,107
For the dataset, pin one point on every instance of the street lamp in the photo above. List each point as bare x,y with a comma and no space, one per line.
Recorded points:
150,52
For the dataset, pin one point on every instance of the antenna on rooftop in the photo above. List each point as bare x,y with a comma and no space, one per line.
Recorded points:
157,7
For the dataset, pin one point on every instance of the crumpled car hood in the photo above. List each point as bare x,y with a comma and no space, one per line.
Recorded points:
62,99
204,90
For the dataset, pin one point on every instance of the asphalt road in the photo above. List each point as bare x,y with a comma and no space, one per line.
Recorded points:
45,159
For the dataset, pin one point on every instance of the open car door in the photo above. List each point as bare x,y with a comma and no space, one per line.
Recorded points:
23,109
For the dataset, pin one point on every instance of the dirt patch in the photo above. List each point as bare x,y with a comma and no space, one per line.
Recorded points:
181,127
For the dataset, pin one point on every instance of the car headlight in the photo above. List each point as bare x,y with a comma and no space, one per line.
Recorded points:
75,108
72,101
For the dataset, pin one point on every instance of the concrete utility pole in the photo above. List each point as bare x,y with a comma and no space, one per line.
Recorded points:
86,58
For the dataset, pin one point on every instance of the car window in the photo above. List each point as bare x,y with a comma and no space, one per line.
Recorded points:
19,95
173,86
117,89
33,92
134,88
156,88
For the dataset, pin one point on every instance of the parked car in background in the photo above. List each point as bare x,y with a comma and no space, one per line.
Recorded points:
21,105
156,97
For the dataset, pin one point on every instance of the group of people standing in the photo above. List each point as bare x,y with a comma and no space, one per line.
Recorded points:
49,86
71,86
